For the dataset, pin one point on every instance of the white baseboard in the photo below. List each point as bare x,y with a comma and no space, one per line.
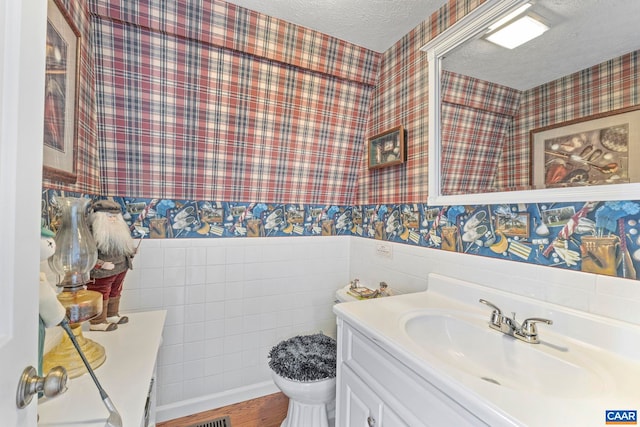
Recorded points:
214,401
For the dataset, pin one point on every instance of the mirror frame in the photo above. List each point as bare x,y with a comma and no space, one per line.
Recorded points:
474,23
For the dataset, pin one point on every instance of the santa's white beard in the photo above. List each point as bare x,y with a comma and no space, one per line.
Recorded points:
112,235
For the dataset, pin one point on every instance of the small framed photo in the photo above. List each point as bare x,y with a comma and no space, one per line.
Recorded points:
61,95
514,225
387,148
594,150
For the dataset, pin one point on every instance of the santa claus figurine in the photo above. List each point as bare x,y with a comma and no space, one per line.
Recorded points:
115,254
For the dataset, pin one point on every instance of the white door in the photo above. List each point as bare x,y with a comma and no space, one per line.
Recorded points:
22,65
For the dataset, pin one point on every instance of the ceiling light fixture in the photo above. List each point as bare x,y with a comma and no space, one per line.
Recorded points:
517,32
500,22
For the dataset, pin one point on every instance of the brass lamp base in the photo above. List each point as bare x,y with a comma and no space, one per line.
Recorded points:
65,354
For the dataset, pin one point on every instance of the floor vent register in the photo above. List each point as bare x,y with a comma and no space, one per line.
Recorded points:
218,422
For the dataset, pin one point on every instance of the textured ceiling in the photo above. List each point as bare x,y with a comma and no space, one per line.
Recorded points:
373,24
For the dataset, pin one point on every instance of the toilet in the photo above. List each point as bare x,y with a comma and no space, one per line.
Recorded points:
304,369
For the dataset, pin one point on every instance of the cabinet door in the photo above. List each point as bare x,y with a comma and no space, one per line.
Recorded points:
362,407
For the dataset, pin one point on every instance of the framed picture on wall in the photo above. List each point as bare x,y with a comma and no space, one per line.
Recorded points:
594,150
387,148
61,95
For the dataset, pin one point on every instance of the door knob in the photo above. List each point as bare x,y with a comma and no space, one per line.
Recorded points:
52,384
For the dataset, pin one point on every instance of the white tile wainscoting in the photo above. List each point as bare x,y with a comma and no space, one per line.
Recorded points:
603,295
229,301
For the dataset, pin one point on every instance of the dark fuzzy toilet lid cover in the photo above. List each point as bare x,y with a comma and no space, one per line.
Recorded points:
305,358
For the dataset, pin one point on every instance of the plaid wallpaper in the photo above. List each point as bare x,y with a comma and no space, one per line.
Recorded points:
86,147
476,118
401,98
604,87
187,110
139,125
225,25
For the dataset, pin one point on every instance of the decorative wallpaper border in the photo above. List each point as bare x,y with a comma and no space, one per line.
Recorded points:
595,237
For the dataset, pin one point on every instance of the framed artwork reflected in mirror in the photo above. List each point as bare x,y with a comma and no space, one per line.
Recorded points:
594,150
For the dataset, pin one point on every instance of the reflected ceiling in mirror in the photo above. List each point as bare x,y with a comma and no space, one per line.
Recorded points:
582,34
495,100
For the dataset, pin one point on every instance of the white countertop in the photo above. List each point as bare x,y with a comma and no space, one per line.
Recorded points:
125,375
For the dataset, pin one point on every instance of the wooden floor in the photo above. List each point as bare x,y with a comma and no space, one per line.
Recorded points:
266,411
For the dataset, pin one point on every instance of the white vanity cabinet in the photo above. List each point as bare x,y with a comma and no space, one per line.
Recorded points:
127,375
431,359
376,389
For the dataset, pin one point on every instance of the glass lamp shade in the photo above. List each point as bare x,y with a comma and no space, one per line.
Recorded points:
76,252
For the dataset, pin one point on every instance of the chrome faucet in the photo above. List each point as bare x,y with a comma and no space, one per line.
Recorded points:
527,331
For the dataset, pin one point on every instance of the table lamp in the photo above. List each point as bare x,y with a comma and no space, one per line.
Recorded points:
75,256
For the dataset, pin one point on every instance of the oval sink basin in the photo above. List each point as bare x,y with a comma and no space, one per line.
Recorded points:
467,344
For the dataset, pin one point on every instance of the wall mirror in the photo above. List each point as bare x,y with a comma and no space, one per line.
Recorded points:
545,106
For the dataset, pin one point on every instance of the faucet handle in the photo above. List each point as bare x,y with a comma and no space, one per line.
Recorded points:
529,329
496,315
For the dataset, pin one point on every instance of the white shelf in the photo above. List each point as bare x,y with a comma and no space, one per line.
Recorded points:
126,375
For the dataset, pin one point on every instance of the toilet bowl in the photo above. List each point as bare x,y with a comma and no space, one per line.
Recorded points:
311,403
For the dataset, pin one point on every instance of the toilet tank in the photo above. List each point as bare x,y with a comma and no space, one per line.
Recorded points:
343,296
